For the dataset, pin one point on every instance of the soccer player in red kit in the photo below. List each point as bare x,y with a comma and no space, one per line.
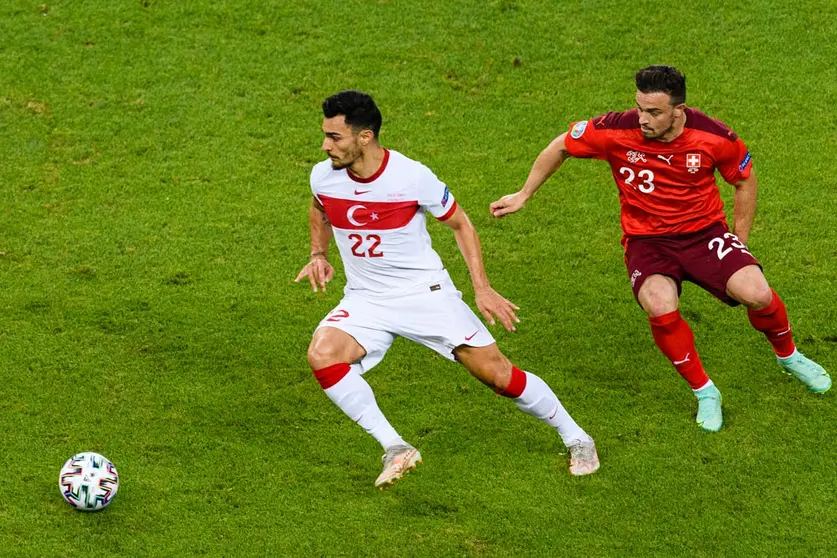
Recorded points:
663,157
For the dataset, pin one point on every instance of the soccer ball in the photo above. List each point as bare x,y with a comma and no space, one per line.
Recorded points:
88,481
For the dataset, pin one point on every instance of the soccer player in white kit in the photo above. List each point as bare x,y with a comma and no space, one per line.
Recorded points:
374,201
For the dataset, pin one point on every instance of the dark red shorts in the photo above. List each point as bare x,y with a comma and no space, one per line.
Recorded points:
707,258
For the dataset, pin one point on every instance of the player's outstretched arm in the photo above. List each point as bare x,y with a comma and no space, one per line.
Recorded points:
547,163
318,270
489,302
744,207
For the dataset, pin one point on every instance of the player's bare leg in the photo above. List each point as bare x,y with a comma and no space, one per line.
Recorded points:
768,315
532,396
658,297
331,354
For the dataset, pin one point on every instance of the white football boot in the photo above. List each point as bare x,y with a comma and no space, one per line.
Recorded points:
584,459
398,460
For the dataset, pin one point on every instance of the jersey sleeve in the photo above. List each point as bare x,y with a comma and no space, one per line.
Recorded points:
733,161
434,196
315,178
585,141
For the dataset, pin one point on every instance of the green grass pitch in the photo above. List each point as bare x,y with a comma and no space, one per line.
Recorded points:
154,190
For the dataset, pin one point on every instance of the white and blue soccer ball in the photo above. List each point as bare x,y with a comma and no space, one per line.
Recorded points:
88,481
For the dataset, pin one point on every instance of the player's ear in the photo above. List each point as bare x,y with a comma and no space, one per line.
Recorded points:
679,109
365,137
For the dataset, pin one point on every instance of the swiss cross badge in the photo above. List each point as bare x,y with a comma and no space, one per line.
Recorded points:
693,162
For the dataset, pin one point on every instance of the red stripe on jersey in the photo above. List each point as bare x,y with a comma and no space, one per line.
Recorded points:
378,172
368,215
449,214
626,120
700,121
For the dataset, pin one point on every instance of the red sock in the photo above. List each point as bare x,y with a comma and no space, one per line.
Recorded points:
516,385
330,375
772,321
675,339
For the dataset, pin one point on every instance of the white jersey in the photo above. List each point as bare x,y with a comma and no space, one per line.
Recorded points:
380,226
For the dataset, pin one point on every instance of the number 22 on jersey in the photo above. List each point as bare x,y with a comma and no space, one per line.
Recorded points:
360,250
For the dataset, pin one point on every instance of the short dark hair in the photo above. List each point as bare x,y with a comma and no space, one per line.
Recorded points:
663,79
358,107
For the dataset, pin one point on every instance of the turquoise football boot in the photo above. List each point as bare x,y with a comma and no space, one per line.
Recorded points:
709,415
806,371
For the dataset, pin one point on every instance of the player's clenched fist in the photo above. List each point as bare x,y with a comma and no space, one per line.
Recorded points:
508,204
318,271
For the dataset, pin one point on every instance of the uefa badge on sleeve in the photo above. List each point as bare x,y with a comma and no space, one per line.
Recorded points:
578,129
693,162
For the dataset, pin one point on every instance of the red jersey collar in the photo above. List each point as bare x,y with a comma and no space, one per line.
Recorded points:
375,176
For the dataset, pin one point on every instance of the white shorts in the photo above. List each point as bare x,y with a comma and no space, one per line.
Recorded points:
436,318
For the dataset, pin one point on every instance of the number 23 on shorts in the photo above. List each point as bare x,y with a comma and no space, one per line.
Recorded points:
718,243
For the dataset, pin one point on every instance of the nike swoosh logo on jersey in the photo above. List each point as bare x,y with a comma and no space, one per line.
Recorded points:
472,335
359,192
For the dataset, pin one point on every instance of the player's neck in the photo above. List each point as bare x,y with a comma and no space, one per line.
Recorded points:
369,162
676,130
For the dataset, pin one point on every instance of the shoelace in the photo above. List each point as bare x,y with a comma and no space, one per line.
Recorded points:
582,452
392,453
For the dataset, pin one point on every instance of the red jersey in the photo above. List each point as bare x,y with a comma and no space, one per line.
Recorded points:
664,188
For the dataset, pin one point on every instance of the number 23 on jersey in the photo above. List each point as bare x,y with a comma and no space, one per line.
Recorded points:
644,179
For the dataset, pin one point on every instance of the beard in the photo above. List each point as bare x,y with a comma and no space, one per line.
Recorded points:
657,135
346,161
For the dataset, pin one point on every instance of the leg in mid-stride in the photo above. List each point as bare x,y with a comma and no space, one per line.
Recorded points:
767,314
334,356
659,297
532,396
657,267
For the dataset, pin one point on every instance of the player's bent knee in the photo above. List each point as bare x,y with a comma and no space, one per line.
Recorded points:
749,287
763,296
756,298
659,305
331,346
658,295
658,300
487,364
320,356
323,352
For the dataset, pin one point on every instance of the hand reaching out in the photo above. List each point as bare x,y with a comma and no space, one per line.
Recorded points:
318,271
492,304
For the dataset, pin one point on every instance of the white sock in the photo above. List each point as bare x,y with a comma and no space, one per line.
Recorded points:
539,401
354,396
793,354
708,384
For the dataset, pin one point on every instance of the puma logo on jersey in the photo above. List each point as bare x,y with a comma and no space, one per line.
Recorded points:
684,361
666,159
